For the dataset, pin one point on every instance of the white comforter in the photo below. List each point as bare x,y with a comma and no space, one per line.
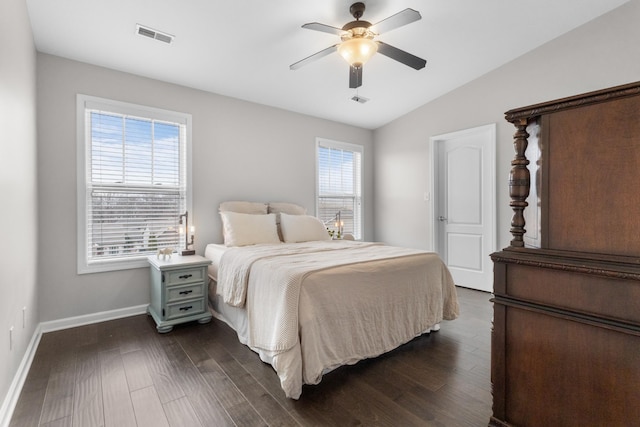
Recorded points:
314,306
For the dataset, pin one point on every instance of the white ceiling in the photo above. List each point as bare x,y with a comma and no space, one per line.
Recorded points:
243,48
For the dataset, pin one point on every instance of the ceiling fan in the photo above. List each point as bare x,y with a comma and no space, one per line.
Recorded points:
358,44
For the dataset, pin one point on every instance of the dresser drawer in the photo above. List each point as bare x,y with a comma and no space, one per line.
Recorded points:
186,275
189,291
186,308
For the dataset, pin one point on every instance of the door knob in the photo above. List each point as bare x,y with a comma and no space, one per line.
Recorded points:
441,218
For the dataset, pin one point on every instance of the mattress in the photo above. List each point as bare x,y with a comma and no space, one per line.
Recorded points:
214,251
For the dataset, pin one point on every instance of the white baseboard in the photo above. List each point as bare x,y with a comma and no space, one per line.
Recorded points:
11,399
87,319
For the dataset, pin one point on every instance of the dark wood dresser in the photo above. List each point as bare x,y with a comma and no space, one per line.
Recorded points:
566,327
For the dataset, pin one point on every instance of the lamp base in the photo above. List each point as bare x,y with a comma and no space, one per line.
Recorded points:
188,252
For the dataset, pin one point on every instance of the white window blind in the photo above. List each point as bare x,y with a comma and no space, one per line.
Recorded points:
134,184
339,182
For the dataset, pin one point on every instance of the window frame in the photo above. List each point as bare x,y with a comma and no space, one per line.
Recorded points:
84,102
346,146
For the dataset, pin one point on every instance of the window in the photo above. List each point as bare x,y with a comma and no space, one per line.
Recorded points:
339,186
133,182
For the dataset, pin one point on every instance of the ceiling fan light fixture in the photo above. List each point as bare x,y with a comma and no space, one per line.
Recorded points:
358,44
358,50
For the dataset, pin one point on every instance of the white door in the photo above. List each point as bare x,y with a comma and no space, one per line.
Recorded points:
464,204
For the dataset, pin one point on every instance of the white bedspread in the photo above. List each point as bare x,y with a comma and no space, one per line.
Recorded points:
318,305
236,263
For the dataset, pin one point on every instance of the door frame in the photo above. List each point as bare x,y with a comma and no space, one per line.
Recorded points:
438,140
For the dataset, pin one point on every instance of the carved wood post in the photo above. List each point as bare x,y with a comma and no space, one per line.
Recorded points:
519,181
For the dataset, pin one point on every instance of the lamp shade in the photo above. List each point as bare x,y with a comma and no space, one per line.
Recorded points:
356,51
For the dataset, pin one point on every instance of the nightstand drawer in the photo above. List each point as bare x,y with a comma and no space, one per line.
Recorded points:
183,309
187,275
177,293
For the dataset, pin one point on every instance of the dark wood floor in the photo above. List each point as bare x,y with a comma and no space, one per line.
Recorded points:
122,373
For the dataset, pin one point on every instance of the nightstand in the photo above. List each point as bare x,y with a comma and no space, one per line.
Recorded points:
178,290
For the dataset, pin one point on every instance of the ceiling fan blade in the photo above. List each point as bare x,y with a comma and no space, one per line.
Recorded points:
404,17
355,77
401,56
323,28
314,57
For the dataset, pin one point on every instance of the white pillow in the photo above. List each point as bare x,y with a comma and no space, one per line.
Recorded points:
244,207
288,208
302,228
241,229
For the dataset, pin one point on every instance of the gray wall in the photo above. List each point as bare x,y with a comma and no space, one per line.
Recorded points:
18,208
600,54
240,151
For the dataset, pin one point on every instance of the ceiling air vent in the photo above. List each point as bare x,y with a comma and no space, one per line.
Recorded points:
360,99
153,34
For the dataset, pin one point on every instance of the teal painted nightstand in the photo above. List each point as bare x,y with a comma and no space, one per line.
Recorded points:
179,291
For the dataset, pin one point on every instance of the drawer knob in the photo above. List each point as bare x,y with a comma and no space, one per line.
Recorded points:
186,308
185,276
186,292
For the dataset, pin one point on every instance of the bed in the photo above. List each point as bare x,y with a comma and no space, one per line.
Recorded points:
308,304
